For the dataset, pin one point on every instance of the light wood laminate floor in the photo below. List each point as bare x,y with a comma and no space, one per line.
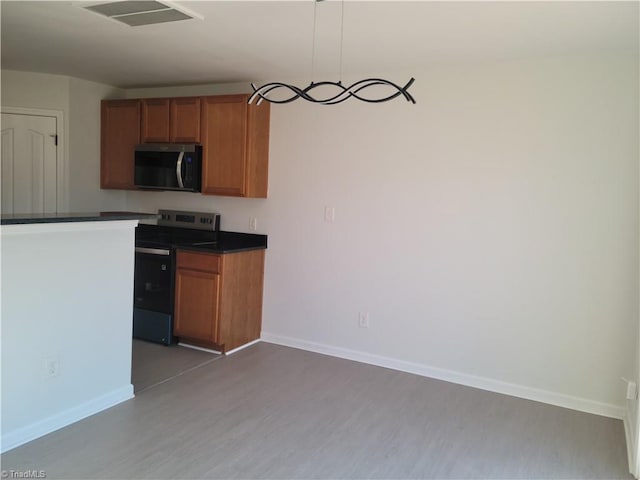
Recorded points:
153,363
275,412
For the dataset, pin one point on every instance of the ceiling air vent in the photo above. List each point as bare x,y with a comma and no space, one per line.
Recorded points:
135,13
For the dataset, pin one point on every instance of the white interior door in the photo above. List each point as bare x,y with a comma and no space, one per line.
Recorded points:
29,164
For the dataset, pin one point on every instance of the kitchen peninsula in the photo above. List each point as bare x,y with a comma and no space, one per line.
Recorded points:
66,318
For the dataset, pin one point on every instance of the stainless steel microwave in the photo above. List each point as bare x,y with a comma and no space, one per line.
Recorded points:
168,166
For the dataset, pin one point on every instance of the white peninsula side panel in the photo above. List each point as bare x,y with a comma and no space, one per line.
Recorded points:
67,306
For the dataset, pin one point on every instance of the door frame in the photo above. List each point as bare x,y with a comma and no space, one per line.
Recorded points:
62,171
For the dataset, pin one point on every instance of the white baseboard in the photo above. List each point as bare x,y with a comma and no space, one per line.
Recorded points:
202,349
237,349
483,383
242,347
11,440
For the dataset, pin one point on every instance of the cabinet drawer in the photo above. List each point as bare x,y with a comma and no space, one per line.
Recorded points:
199,261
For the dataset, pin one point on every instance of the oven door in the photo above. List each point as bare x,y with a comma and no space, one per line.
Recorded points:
153,295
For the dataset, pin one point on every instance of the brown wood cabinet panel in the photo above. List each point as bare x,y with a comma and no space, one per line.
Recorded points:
259,117
155,120
185,120
198,261
241,298
235,141
224,129
119,134
219,310
196,304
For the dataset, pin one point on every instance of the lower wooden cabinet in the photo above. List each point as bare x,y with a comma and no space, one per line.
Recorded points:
196,308
218,298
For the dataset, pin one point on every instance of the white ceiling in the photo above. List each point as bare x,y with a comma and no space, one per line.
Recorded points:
272,40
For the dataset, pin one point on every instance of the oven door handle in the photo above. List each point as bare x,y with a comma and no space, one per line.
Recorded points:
179,170
153,251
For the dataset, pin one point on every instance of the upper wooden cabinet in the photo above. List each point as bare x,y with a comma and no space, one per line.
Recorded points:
119,134
173,120
234,137
235,143
184,122
155,120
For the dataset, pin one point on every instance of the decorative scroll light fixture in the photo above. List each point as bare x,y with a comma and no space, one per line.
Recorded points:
341,92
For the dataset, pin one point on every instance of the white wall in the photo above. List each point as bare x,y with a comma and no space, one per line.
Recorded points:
62,301
491,230
79,101
190,90
35,90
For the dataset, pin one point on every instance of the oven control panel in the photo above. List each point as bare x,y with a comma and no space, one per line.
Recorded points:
198,220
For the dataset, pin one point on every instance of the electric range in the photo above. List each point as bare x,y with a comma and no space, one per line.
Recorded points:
154,273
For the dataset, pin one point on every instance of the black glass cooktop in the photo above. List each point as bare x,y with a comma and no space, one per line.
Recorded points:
155,236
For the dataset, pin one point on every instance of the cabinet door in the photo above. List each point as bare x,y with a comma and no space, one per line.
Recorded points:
224,141
241,298
185,120
119,134
258,121
197,305
155,120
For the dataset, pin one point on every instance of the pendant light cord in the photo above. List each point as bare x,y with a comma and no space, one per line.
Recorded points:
341,38
313,43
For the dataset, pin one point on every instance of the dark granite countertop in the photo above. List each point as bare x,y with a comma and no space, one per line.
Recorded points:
28,218
231,242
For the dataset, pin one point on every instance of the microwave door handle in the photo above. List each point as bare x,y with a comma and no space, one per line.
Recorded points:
179,170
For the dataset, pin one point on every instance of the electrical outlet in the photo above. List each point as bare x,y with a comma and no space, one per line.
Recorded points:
51,367
253,224
632,390
363,319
